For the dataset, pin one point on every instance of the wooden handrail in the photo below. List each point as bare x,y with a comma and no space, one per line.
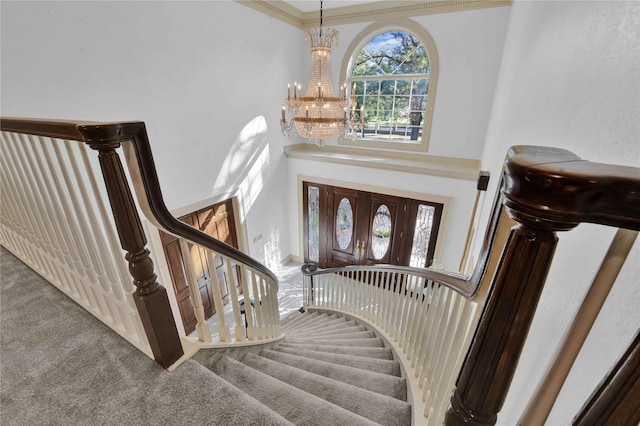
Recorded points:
150,297
546,190
104,135
467,285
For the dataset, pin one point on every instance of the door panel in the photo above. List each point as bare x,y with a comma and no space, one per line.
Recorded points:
345,226
201,271
383,230
423,226
344,222
217,221
174,261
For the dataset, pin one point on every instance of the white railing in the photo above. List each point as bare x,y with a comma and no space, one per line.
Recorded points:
55,218
71,217
429,324
257,319
428,316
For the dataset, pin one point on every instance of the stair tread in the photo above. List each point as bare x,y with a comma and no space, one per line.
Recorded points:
283,398
383,409
369,342
373,352
380,383
343,336
307,319
333,331
331,321
371,364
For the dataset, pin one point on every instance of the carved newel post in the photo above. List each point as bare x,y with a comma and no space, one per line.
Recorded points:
492,359
150,297
491,362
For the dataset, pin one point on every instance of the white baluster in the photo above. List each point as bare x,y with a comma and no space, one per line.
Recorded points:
25,193
202,326
224,334
451,314
257,300
80,260
436,335
428,331
239,330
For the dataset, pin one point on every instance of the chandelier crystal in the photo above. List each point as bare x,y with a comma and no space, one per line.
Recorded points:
319,114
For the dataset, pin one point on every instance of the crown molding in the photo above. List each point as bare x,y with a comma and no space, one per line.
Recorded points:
423,164
366,12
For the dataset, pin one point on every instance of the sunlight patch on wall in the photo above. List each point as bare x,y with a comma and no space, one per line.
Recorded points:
245,167
252,184
272,254
242,156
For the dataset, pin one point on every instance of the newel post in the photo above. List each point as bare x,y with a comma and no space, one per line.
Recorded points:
492,359
150,297
542,204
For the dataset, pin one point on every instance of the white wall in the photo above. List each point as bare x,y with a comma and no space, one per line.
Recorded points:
570,78
469,46
205,77
452,232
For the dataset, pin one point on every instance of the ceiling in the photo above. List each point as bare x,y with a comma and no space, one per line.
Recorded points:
305,13
313,5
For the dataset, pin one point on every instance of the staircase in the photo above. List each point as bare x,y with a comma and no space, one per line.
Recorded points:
329,370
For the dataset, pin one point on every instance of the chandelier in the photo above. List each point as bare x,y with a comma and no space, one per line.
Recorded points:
319,114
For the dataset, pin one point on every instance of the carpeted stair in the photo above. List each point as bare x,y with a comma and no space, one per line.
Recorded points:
329,370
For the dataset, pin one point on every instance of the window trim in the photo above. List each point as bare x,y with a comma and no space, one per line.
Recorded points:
359,42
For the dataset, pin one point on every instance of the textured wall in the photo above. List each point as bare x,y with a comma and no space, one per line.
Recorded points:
570,78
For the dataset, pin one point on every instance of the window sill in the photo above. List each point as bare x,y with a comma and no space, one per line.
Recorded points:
447,167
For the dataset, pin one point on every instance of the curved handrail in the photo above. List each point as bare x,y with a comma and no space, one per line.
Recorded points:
555,185
467,285
148,190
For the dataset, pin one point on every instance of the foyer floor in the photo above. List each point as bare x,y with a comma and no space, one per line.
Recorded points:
289,295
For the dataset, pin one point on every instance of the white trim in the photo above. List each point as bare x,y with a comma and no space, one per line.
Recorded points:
431,165
366,12
445,201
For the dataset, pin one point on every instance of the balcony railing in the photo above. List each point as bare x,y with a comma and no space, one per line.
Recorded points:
74,220
72,217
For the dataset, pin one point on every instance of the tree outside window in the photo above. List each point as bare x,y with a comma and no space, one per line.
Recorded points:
389,81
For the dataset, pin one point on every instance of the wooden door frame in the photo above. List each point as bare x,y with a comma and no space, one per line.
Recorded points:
157,252
427,197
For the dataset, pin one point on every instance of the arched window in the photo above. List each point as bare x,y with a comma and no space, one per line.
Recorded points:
391,73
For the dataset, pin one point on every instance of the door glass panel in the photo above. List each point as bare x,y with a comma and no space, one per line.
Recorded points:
344,223
381,232
314,223
424,222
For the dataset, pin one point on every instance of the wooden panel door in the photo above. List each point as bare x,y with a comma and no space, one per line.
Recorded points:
173,255
217,221
344,222
345,226
382,233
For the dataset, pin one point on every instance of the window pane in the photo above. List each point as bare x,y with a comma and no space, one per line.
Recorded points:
370,104
314,223
387,87
372,87
393,52
420,86
393,71
421,236
403,87
381,232
344,223
402,103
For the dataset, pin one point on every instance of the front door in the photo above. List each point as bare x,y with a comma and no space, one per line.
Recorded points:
344,226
